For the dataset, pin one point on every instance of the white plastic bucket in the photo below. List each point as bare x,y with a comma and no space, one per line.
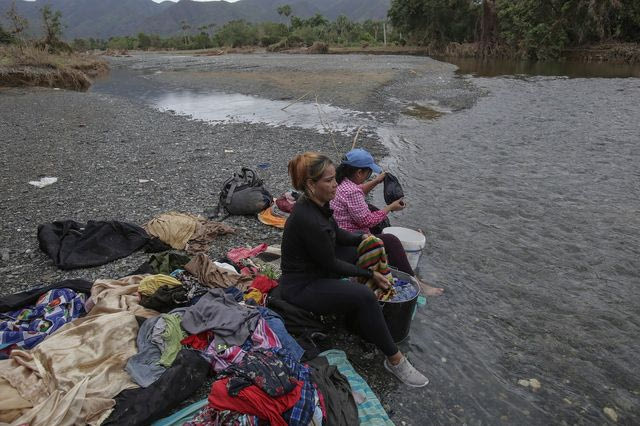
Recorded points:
412,242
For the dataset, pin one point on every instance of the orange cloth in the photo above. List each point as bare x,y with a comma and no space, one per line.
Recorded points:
267,217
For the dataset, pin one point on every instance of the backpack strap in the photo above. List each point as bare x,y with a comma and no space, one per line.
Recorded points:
230,192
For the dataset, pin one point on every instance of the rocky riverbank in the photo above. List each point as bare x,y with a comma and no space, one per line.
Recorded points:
117,160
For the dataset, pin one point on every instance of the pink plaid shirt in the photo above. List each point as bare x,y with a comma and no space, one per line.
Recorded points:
350,209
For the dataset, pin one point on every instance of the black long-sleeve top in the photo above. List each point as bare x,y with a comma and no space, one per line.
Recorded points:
309,241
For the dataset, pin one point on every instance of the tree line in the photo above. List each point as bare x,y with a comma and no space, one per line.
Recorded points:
531,29
294,31
51,28
239,33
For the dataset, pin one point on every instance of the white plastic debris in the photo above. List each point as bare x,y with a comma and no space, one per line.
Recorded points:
228,151
145,180
45,181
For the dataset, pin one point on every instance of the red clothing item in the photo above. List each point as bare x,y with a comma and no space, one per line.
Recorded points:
264,284
198,341
237,254
254,401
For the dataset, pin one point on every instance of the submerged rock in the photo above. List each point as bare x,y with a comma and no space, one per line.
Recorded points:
611,413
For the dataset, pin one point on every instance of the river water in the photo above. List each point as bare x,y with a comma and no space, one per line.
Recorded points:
531,203
530,199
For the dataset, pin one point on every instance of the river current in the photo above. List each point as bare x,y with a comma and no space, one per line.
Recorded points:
530,200
531,204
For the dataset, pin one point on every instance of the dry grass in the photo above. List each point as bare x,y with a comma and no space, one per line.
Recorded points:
32,66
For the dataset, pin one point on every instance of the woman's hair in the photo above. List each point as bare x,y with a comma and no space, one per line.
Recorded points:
345,171
310,165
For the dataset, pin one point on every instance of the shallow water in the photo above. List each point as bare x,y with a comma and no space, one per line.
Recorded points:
530,199
217,107
497,67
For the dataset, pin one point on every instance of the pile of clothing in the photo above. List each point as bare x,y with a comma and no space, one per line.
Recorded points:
131,350
278,212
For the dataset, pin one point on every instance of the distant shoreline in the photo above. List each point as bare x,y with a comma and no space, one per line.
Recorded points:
614,53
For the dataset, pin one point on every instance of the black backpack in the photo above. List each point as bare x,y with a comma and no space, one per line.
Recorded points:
244,194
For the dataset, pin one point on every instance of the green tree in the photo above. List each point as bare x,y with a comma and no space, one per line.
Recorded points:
144,41
52,27
435,21
237,33
271,32
373,28
184,25
284,10
80,45
18,23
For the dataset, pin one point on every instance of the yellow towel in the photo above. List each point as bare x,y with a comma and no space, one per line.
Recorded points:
152,283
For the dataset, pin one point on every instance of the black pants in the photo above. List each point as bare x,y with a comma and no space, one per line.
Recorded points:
327,296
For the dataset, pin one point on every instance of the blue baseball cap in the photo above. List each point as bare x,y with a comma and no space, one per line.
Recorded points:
361,159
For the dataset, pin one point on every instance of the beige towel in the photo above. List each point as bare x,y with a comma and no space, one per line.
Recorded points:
209,274
73,375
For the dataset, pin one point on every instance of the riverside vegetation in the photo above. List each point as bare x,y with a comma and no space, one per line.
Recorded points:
607,30
516,29
48,61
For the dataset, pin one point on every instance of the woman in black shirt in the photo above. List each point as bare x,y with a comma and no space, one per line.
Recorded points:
311,271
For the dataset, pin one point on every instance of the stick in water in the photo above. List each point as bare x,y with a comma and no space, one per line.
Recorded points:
297,100
355,139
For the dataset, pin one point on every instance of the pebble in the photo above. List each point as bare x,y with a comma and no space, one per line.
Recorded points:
611,413
534,384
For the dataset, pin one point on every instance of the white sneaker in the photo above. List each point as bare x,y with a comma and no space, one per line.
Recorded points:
407,373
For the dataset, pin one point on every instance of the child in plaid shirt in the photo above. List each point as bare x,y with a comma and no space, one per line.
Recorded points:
351,211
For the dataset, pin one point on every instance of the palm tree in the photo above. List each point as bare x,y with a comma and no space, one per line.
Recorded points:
185,26
210,26
284,10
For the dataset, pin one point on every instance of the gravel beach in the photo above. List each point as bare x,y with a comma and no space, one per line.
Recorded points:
115,160
118,160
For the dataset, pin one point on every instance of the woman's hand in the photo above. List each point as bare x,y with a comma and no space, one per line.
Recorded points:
395,206
380,281
380,178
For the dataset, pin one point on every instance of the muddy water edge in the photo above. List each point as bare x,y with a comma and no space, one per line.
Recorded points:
529,192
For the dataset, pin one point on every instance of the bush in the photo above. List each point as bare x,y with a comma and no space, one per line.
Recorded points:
319,47
277,47
266,41
237,34
5,37
305,35
294,41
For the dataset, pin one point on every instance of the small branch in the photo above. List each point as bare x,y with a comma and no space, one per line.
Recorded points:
297,100
355,139
327,128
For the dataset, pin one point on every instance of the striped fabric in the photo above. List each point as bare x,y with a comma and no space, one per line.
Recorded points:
262,338
370,412
372,255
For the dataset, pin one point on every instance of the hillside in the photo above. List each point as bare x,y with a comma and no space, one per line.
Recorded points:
106,18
